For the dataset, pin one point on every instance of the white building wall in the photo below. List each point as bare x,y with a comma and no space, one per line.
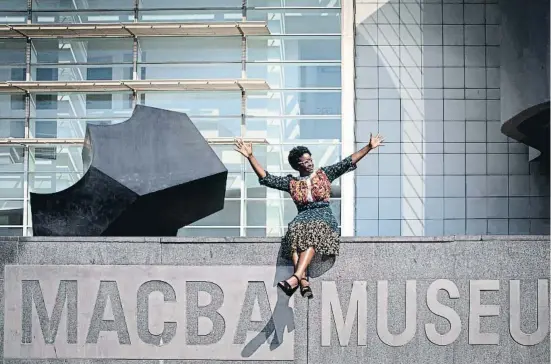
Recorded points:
428,79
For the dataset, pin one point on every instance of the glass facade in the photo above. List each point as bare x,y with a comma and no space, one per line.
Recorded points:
299,60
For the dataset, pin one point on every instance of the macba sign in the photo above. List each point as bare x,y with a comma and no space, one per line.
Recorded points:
227,313
145,312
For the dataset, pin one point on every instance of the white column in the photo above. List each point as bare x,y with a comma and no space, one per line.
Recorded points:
348,100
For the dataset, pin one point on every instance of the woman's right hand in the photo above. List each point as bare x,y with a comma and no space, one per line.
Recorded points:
246,149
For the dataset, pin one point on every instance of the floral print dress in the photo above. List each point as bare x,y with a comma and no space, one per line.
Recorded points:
315,225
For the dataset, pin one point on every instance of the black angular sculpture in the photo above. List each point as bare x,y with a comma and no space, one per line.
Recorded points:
147,176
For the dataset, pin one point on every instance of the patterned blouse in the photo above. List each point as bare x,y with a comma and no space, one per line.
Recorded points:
313,190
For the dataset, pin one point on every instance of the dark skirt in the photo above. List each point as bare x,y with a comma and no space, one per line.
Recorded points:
316,227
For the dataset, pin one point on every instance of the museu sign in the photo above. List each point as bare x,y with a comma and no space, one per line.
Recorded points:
223,312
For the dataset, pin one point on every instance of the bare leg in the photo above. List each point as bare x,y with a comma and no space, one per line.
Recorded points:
301,265
303,282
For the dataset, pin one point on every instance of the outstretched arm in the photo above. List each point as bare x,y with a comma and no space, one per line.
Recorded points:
374,142
348,164
264,178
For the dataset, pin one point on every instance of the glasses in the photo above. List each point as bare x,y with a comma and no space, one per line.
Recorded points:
306,162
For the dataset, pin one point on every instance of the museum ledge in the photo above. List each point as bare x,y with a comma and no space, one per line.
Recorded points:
276,240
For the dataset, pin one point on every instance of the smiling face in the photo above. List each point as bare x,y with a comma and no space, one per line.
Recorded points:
306,163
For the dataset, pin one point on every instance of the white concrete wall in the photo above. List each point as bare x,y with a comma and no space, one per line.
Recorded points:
428,79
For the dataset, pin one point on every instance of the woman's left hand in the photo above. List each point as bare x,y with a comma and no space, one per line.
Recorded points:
375,141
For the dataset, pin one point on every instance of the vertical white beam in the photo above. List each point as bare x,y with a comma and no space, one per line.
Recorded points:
348,114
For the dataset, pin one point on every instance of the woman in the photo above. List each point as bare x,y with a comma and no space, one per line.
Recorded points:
314,229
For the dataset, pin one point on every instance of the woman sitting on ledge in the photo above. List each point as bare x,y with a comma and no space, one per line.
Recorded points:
314,229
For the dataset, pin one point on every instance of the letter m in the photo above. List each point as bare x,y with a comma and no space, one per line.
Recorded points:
331,306
32,293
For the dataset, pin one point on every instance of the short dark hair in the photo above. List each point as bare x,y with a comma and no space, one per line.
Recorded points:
295,154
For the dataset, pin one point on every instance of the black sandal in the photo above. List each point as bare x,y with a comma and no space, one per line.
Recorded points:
287,288
306,291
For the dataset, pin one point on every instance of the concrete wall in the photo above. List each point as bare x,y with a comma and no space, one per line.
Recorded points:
428,79
381,301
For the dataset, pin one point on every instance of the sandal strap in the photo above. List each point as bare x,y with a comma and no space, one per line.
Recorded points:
304,279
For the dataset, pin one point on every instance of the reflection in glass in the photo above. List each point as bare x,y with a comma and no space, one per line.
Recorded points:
229,216
11,185
279,103
293,48
293,76
303,21
11,213
177,49
78,105
78,17
299,130
62,159
190,16
211,104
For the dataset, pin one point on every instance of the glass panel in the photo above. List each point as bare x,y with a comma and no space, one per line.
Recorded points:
11,159
11,231
297,75
81,73
233,185
12,62
274,157
294,48
189,71
279,103
12,128
76,127
295,3
189,50
104,51
12,106
12,17
50,182
229,216
171,4
11,213
266,232
294,130
95,4
190,16
56,159
78,17
11,186
278,213
231,159
300,21
210,232
13,51
13,4
212,104
78,105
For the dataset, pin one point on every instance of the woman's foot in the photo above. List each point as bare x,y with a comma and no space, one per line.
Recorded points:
290,285
305,289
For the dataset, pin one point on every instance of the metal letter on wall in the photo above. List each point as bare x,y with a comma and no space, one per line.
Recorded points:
137,312
382,314
444,311
515,312
477,310
331,307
